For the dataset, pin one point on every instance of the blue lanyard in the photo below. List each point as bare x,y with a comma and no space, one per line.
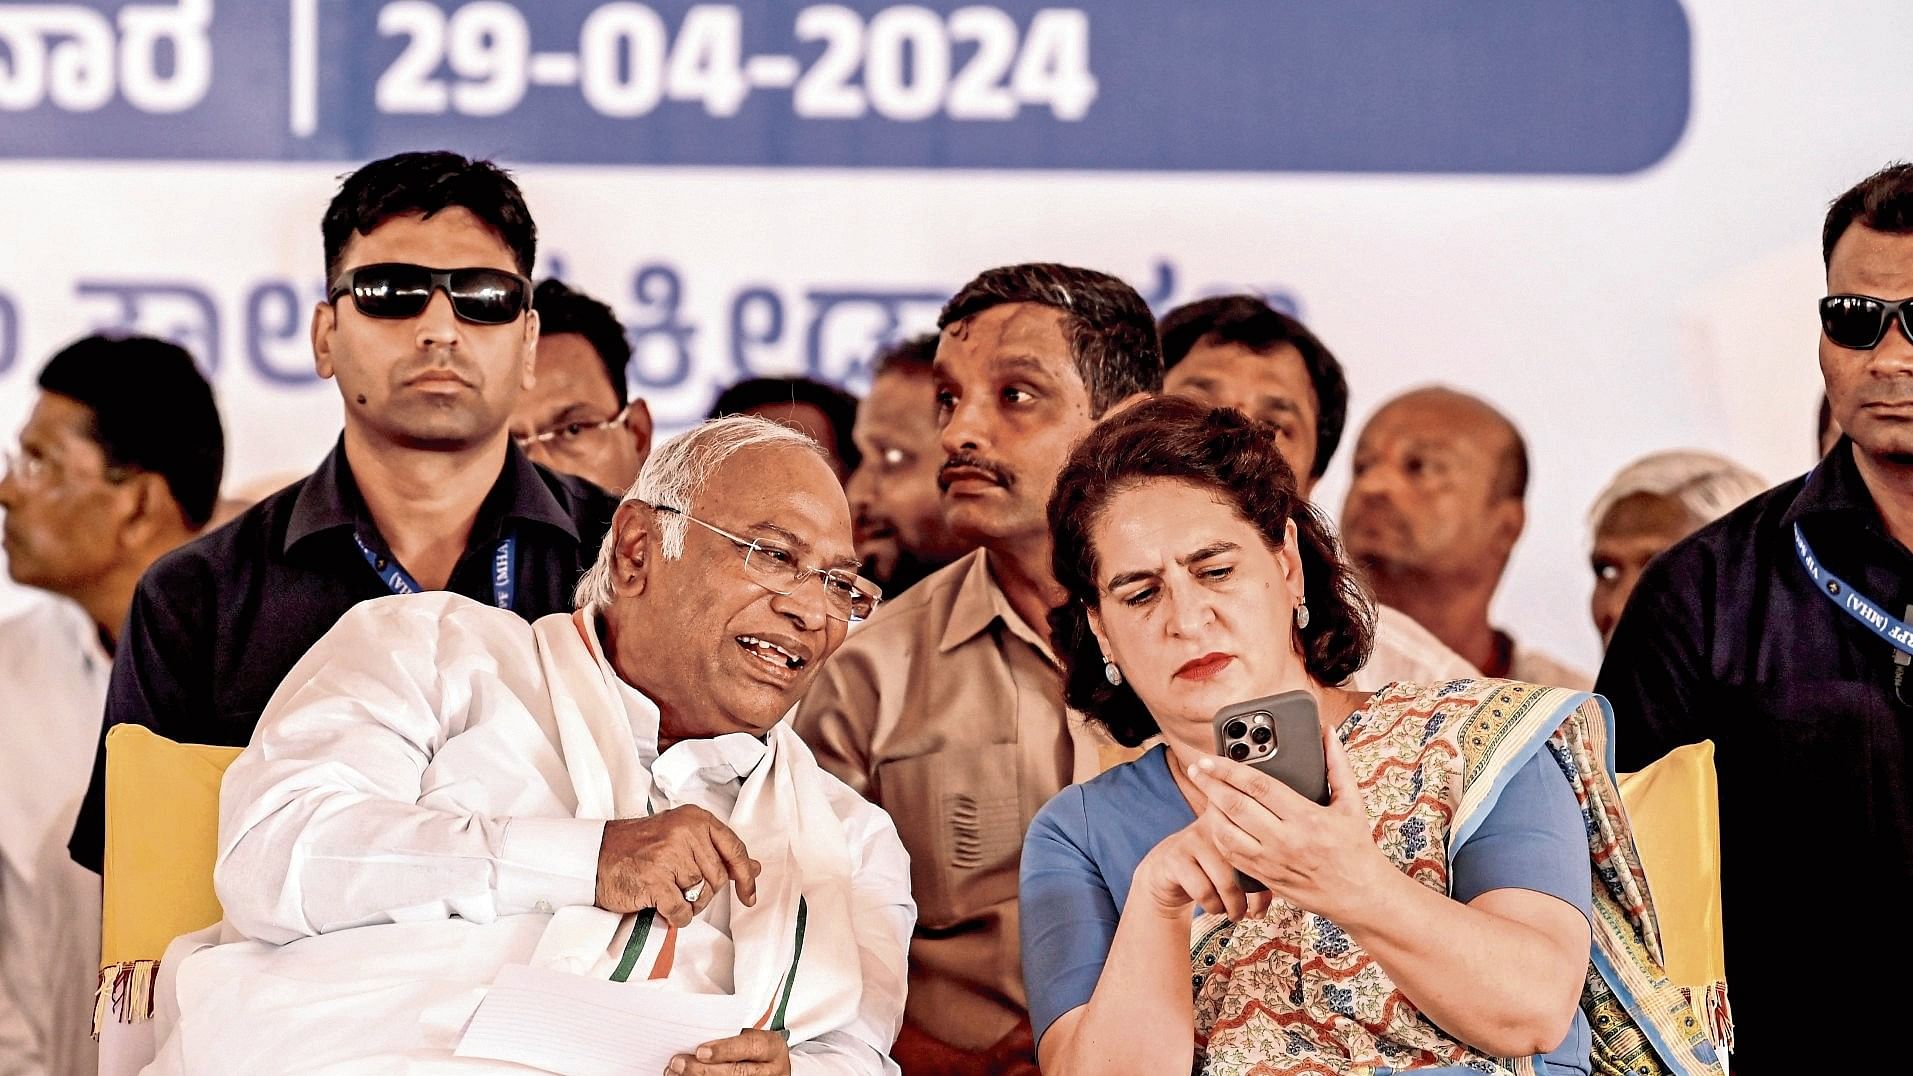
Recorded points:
400,581
1897,633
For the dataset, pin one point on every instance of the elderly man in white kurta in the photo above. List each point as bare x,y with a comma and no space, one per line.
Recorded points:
441,793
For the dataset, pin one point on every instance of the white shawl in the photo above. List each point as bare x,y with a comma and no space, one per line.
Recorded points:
782,816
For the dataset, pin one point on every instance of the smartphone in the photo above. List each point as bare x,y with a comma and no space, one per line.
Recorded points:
1281,735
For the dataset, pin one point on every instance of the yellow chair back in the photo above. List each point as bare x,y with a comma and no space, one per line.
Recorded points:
162,835
1674,808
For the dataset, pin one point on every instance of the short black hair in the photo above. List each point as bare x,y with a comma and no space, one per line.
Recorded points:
1111,333
422,184
1247,321
839,407
1236,457
1882,201
152,411
915,355
564,309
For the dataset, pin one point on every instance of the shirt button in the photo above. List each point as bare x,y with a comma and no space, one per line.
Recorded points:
544,907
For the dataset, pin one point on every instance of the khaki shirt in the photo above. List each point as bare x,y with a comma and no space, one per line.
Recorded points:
946,710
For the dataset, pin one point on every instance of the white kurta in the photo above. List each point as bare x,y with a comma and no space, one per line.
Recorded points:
402,827
53,673
1406,651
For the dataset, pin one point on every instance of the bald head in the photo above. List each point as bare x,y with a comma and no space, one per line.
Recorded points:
1473,418
1439,479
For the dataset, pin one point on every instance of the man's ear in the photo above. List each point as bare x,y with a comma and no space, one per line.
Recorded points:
1508,519
637,422
633,553
530,373
149,513
325,318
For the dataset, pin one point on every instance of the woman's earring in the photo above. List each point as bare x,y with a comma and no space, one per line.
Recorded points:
1301,616
1112,674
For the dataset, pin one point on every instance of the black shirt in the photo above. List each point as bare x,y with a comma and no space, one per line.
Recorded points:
217,624
1727,638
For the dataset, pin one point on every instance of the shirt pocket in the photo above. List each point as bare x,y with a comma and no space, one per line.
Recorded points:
958,812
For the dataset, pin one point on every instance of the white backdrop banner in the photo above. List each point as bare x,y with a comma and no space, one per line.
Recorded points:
1602,215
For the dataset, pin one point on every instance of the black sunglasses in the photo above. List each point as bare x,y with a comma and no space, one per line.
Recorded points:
1859,322
402,290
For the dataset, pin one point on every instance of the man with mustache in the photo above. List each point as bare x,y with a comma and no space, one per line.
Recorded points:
947,710
901,533
429,333
1778,633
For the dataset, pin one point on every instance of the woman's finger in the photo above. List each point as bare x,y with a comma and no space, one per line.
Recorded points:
1259,903
1345,793
1227,790
1221,875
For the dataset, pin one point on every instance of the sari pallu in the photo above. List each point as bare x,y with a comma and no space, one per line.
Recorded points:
1291,993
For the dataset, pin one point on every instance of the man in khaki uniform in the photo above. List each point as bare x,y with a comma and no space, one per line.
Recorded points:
947,708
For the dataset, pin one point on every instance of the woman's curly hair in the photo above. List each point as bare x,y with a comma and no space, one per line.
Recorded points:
1216,448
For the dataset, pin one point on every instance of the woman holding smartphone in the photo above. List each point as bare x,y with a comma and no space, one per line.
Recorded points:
1435,913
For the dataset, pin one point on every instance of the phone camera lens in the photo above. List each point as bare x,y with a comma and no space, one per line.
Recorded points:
1262,734
1238,751
1235,730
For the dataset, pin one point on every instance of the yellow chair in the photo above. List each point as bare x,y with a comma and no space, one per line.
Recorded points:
162,835
1673,807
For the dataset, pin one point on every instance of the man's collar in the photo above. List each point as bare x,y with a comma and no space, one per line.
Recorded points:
330,499
980,603
1833,486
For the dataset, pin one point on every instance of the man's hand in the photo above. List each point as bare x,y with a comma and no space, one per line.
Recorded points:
652,862
747,1053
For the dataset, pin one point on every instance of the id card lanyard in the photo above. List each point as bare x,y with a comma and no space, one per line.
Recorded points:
400,581
1895,632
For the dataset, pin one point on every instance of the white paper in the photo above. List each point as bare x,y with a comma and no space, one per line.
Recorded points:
578,1026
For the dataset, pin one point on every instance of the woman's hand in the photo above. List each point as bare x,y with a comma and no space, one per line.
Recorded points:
1319,859
1184,870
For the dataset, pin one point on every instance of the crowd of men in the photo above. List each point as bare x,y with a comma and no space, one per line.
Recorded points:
491,450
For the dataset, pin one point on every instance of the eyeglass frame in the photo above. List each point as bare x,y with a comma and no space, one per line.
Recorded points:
525,444
748,546
15,461
1891,311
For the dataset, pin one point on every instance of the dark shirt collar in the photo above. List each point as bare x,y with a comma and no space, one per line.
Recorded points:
1834,486
330,500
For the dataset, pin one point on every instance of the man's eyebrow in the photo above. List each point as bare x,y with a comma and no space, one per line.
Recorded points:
1022,363
577,412
1283,404
782,534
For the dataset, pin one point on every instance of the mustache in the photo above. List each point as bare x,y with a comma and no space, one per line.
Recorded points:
966,461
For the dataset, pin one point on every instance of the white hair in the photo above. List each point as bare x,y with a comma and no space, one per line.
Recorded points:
1707,485
673,477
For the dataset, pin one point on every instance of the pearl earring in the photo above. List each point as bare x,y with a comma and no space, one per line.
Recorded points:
1301,616
1112,674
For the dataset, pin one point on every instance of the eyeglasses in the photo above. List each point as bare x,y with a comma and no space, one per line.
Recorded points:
849,598
569,437
1859,322
401,290
31,471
